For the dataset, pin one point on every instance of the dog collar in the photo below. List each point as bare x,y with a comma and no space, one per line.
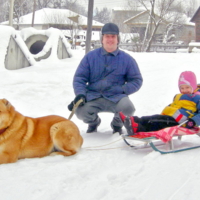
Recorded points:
2,130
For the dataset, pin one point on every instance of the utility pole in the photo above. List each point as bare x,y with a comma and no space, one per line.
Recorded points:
33,16
89,25
11,13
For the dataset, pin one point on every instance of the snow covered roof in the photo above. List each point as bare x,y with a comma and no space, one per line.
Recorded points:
168,18
128,9
135,16
55,16
120,8
189,22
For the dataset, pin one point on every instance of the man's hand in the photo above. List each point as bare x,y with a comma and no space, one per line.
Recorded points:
77,98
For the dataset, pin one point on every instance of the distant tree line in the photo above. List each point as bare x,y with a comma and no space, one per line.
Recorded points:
104,15
173,13
159,10
23,7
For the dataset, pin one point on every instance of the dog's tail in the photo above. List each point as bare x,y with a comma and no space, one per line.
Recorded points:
66,138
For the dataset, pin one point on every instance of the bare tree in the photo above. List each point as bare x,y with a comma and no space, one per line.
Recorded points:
4,10
43,4
176,21
149,27
62,4
190,7
33,15
11,12
21,7
74,6
50,4
103,15
160,11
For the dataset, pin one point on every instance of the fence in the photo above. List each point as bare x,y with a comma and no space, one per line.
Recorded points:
162,48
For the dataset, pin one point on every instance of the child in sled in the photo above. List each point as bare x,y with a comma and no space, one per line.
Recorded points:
185,107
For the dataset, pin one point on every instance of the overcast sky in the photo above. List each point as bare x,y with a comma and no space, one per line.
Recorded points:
113,4
105,3
109,3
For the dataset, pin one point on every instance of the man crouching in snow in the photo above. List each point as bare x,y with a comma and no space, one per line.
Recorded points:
103,80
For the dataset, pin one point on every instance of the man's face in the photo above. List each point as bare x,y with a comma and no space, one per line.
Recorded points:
110,42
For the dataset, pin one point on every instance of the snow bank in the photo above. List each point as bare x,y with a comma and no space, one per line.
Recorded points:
20,36
5,33
52,42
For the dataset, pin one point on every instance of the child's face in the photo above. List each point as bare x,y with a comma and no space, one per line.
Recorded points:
185,89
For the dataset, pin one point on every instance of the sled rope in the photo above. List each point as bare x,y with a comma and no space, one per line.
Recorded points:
74,108
90,148
106,148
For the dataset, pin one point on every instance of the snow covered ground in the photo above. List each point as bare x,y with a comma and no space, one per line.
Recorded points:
111,172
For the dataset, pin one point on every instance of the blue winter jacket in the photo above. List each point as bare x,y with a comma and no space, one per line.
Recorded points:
108,75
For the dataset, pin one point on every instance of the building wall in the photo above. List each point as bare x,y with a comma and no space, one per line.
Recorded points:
197,27
119,16
196,20
187,34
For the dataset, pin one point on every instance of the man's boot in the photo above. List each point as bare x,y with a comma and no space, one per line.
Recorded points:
93,126
116,129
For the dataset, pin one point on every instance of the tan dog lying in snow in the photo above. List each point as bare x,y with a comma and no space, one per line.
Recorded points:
26,137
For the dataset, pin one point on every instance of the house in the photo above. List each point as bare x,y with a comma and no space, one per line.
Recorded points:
81,36
119,15
66,20
56,18
138,24
196,20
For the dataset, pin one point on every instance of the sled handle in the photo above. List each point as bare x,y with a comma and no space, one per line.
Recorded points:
183,123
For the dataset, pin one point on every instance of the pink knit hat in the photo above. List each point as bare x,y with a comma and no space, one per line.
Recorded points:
188,78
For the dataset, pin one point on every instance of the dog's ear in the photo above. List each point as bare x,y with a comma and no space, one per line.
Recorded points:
7,103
